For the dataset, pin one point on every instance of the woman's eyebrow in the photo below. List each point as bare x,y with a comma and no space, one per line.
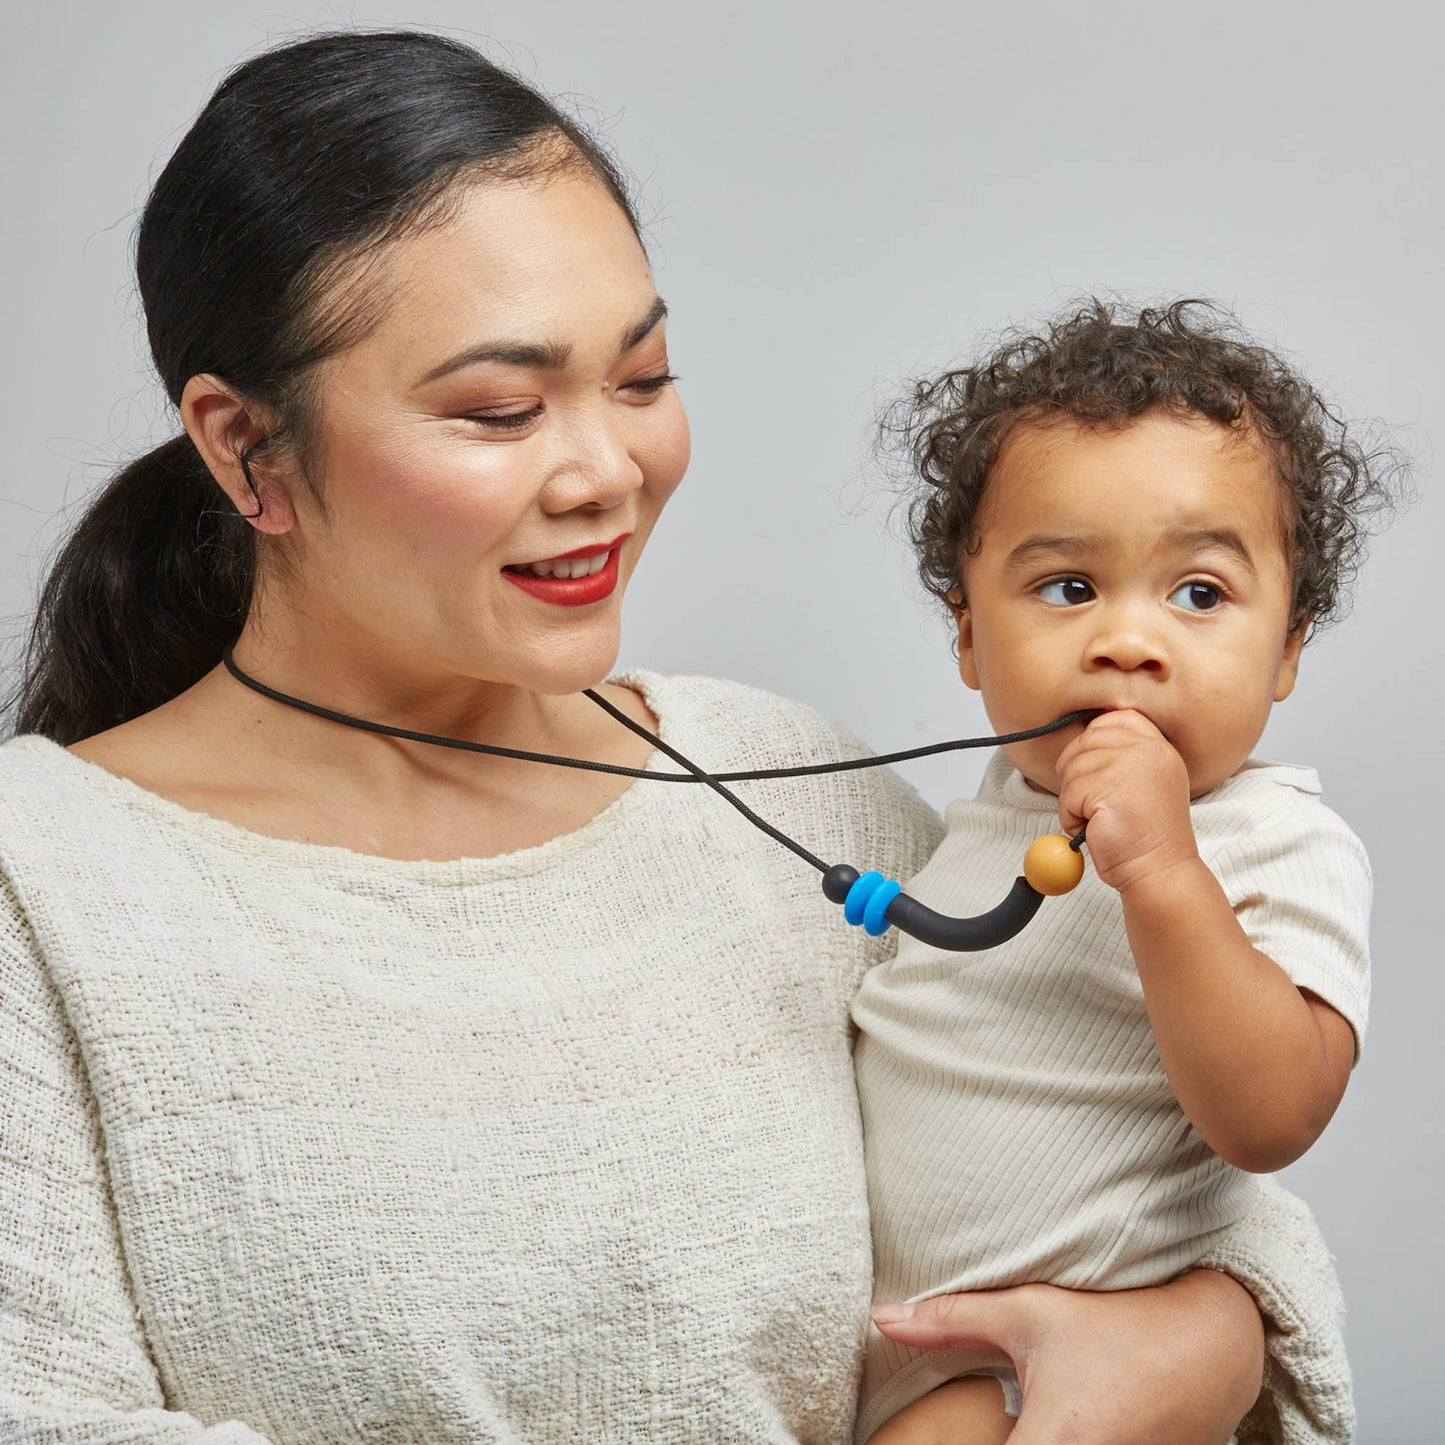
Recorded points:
540,355
634,334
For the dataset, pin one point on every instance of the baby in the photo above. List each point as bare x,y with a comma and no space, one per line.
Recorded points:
1144,517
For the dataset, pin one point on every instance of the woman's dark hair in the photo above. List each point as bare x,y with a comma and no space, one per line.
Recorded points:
254,258
1103,365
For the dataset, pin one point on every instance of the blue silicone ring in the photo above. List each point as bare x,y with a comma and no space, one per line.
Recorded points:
874,921
858,896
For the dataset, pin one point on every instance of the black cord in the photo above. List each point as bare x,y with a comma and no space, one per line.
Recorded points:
694,773
875,760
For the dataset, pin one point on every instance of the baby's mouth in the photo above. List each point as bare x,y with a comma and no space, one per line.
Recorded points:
1091,713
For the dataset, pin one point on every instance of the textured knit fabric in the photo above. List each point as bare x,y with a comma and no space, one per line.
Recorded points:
1017,1120
303,1145
553,1146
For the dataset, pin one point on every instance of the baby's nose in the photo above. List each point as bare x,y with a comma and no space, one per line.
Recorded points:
1128,648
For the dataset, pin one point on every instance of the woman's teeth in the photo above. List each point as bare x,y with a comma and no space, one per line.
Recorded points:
566,566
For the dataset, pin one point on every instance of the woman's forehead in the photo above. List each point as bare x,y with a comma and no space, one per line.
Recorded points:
550,261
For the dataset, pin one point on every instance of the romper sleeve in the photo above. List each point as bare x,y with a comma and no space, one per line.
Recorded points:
1277,1253
1300,884
74,1364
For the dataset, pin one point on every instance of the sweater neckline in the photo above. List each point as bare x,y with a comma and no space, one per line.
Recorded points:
126,793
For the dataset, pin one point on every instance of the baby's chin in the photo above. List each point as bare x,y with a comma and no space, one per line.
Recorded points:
1038,784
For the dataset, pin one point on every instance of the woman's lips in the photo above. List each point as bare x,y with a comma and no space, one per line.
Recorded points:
571,591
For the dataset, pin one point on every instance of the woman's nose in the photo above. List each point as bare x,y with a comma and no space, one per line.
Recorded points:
597,467
1124,640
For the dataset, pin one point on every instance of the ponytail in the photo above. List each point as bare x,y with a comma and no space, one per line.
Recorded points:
305,159
146,593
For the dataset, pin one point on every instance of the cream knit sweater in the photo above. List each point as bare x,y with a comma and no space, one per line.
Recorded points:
304,1145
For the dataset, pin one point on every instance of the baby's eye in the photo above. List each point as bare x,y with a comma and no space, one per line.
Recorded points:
1197,596
1067,591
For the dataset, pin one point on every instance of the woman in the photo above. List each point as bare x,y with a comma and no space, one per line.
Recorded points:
355,1087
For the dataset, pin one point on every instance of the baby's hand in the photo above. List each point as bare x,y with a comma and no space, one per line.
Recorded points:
1124,779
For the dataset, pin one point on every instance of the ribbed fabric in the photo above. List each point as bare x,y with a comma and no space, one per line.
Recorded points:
303,1145
1017,1121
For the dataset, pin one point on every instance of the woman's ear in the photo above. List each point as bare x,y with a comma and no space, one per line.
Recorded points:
223,426
963,620
1289,661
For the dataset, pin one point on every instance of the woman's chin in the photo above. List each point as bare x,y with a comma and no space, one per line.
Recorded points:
570,671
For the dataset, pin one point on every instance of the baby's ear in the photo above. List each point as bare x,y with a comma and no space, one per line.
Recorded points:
1289,661
967,668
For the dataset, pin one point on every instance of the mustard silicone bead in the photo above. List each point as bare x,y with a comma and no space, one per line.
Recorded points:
1051,866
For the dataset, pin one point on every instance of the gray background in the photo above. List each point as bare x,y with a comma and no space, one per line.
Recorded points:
838,196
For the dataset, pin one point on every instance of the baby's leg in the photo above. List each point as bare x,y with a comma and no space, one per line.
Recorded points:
962,1412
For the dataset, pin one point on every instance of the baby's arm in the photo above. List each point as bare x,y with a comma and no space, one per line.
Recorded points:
1257,1064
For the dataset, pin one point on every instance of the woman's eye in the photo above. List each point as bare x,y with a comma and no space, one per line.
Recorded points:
506,420
1197,596
1067,591
651,385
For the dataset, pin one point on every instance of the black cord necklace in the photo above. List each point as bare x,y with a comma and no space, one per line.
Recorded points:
1052,865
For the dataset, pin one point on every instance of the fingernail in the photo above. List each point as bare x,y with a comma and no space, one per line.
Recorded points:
892,1314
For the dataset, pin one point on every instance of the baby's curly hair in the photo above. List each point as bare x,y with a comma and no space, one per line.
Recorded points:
1104,365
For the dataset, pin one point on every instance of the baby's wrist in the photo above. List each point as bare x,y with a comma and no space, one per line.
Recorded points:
1167,880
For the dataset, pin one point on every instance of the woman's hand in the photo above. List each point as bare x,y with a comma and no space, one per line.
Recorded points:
1180,1363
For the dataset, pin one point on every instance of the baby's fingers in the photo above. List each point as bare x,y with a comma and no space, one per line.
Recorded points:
1081,788
1096,745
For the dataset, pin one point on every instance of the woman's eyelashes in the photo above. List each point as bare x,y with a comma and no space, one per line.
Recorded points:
1196,595
506,420
645,387
651,385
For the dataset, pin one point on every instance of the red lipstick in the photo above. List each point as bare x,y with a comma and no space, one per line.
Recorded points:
573,591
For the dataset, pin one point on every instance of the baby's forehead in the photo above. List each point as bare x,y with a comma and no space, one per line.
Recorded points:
1156,480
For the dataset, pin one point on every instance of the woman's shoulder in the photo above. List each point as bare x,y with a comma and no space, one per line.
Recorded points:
32,771
41,812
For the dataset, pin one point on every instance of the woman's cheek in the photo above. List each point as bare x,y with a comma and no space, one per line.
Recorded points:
471,501
665,464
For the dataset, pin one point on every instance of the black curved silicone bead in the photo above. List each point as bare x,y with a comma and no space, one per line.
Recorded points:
838,880
967,935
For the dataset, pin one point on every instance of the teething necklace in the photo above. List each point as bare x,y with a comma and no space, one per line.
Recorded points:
1052,865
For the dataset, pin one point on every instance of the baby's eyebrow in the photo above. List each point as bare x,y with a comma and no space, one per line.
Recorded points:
1207,539
1172,539
1040,545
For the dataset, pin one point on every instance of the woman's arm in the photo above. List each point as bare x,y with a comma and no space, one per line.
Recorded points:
1278,1254
1149,1360
73,1358
1181,1362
